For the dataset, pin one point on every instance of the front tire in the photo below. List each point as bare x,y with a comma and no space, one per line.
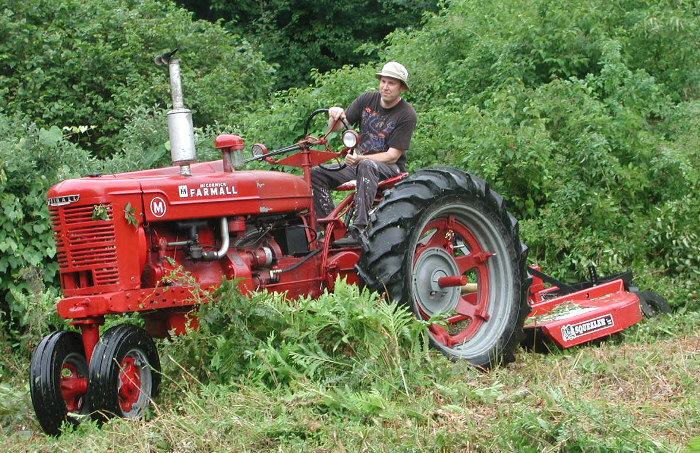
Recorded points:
124,373
447,223
58,381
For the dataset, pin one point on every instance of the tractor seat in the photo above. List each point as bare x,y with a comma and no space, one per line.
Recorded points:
385,184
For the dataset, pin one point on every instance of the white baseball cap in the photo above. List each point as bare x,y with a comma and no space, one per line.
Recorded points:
396,71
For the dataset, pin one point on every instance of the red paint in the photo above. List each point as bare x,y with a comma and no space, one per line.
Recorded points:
454,280
121,242
581,316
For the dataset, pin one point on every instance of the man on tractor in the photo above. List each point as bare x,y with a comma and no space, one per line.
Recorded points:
386,122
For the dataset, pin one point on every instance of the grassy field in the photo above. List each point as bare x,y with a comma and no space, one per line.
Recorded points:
635,392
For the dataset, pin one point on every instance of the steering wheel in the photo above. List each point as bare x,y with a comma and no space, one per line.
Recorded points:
339,164
350,139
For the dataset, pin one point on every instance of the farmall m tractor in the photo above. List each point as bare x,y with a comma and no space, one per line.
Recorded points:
439,241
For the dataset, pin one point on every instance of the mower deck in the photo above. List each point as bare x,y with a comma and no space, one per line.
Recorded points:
578,317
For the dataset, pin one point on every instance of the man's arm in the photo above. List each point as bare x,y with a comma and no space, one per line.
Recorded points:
390,156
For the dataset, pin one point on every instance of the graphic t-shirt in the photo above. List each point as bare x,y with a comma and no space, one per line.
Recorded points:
380,128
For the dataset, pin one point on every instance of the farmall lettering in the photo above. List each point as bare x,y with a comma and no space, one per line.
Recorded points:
209,189
572,331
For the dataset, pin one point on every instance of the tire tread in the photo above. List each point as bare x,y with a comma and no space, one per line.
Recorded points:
384,247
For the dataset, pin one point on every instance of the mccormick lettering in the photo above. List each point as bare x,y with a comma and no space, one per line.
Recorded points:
572,331
208,189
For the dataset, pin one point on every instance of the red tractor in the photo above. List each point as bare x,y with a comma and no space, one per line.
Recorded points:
439,240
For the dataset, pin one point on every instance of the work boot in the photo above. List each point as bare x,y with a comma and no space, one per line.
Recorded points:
351,239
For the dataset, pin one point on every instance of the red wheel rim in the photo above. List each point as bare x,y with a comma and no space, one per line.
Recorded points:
73,387
129,384
456,242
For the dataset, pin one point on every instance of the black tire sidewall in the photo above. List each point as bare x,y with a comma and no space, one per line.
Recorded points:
399,220
45,379
653,304
109,353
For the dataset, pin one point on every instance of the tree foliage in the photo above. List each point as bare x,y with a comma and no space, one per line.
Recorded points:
299,35
73,64
475,46
31,160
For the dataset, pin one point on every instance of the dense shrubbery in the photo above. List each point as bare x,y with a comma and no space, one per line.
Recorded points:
276,342
298,36
89,63
585,117
31,159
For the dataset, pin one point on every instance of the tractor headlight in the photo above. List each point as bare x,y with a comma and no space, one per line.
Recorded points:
350,138
259,150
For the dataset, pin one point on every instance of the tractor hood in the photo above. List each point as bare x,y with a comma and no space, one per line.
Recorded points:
209,192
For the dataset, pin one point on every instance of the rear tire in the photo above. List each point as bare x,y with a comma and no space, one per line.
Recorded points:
652,304
124,373
447,223
58,376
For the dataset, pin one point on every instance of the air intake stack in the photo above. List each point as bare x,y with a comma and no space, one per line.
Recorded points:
180,128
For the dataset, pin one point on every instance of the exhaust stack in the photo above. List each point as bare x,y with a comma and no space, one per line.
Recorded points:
180,128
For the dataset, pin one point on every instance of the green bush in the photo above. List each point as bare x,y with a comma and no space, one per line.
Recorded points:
351,337
472,47
91,64
31,160
299,37
144,143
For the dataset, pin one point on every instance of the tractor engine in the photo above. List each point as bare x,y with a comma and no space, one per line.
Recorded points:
122,238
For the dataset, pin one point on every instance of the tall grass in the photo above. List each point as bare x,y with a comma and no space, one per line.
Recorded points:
348,372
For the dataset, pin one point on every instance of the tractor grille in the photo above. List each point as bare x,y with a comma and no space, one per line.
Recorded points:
86,245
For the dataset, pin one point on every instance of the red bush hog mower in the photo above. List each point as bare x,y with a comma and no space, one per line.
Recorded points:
439,240
569,315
